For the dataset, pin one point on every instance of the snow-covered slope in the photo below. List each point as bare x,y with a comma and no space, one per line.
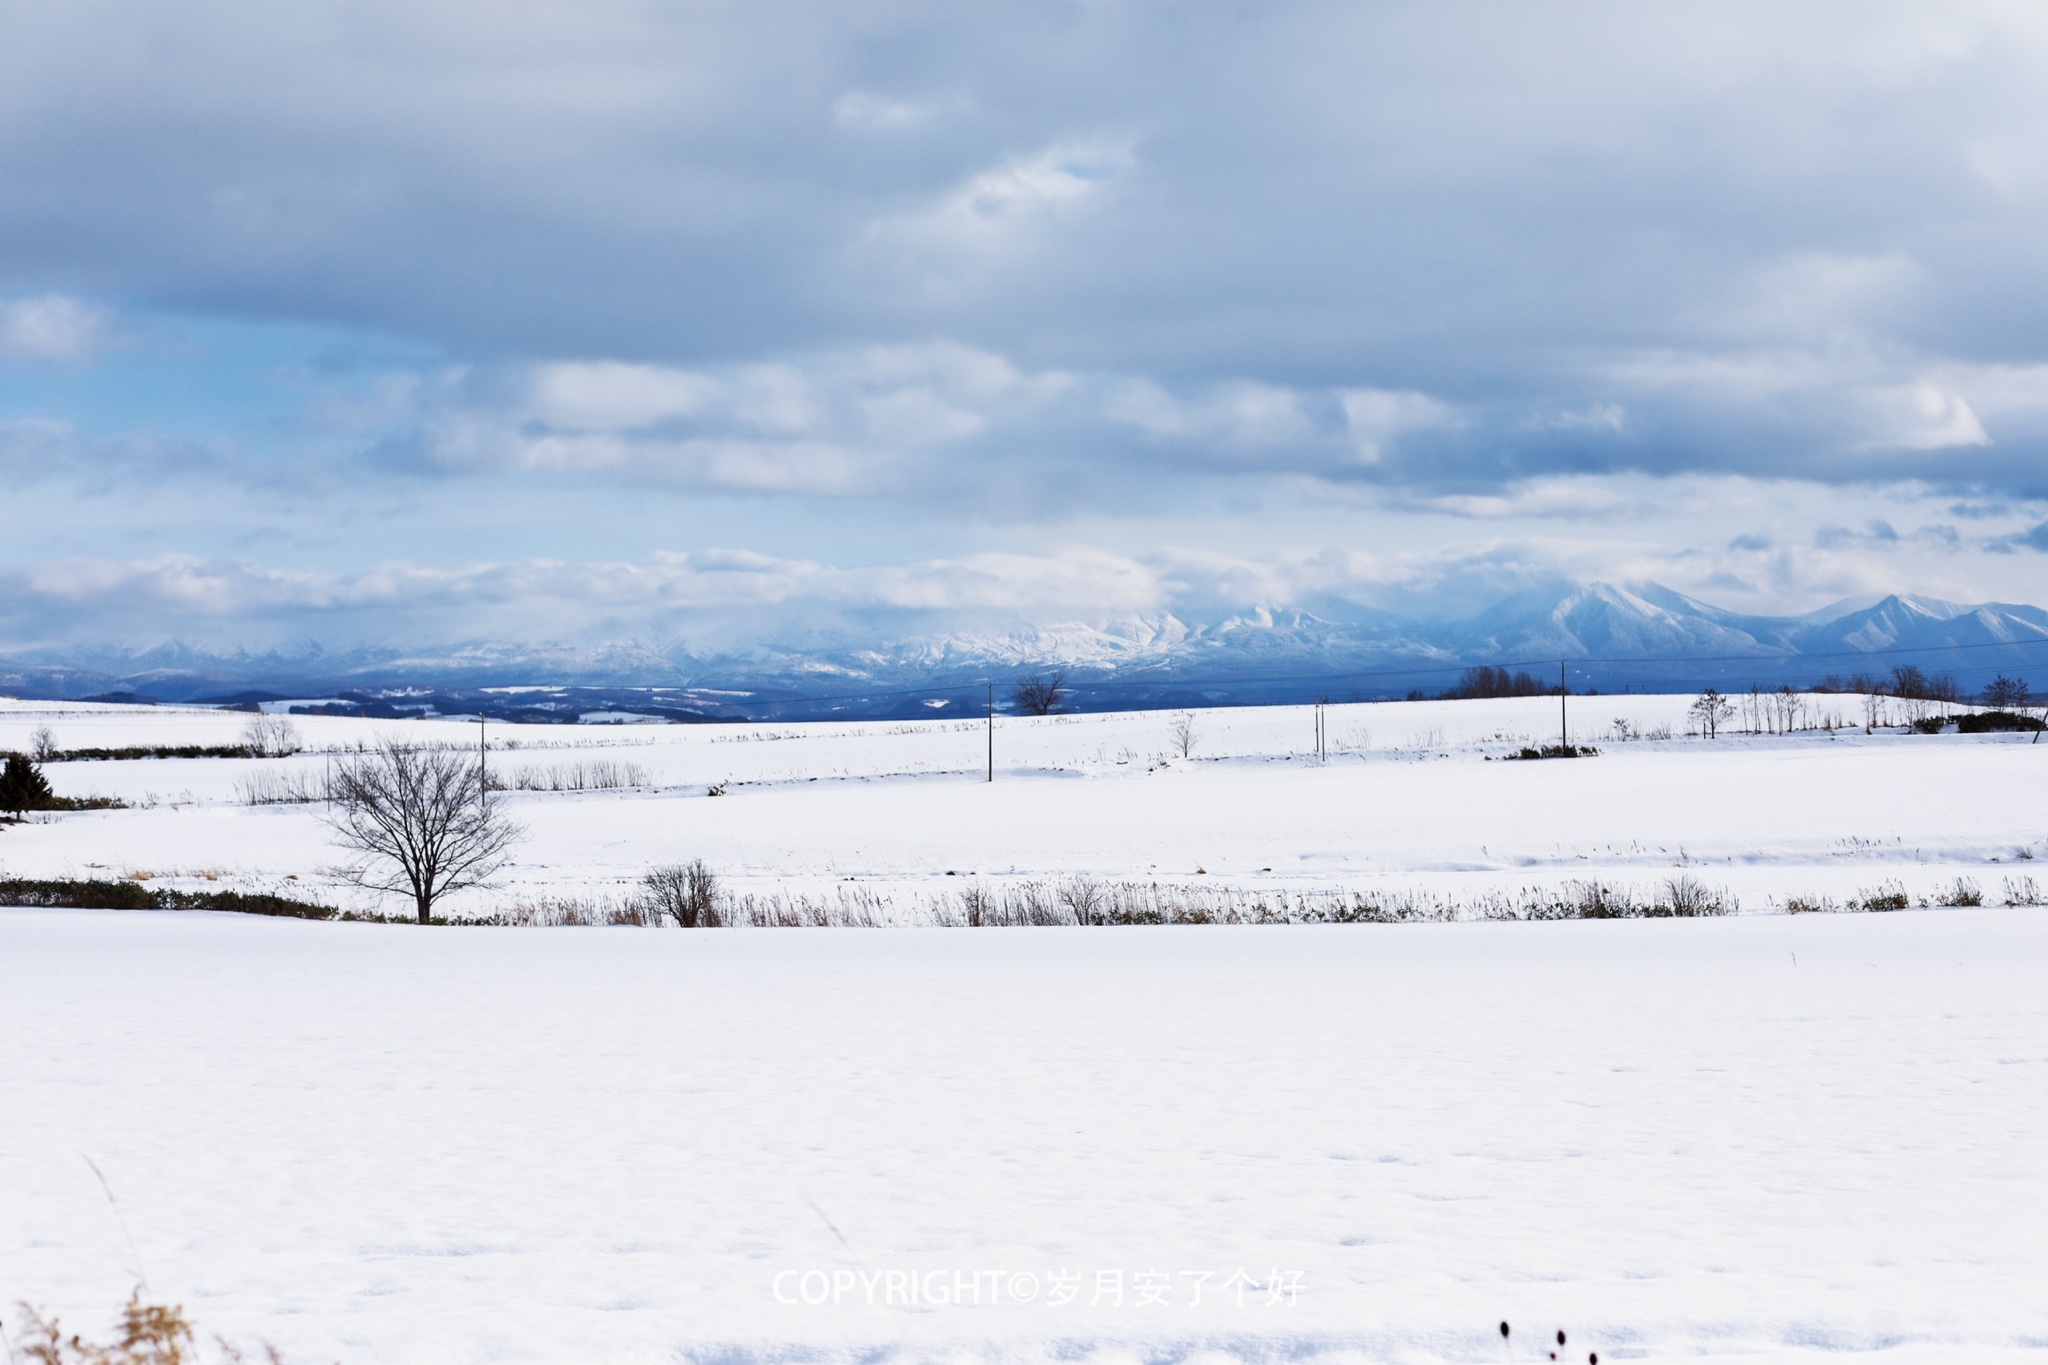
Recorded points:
1598,621
1647,637
1907,623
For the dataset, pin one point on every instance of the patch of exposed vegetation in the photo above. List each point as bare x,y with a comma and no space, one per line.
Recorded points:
68,894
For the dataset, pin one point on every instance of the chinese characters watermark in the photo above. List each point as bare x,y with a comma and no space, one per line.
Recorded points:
1099,1287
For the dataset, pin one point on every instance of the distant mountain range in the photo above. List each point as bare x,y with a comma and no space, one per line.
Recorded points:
1647,638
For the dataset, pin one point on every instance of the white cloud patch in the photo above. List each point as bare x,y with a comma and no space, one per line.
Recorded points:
55,328
2010,400
1923,417
1244,415
193,594
1560,499
1807,298
758,466
870,112
879,420
1849,401
1745,377
1595,418
607,395
839,424
1055,177
984,231
1379,418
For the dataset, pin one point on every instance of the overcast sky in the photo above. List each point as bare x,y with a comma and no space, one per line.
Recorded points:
435,319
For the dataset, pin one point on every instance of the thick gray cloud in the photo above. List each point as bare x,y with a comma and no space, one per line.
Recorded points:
1614,235
1126,272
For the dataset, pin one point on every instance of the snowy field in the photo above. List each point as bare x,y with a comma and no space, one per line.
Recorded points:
1757,1138
1760,1139
1409,798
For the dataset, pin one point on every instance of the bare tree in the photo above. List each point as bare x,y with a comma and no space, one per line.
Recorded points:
271,737
2005,694
686,893
42,745
419,821
1754,710
1183,731
1038,694
1711,712
1789,705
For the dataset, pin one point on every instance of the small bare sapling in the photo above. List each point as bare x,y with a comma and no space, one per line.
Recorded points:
271,737
685,894
1710,712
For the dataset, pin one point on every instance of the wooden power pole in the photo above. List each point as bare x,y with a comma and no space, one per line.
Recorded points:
1564,734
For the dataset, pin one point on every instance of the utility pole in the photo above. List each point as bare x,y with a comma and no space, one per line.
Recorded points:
991,732
1564,734
483,785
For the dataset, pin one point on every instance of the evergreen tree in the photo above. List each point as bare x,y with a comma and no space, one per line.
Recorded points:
22,786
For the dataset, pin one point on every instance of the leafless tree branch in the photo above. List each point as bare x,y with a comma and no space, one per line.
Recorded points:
419,821
1038,694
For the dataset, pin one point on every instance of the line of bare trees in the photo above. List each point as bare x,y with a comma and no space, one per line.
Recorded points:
1482,681
1910,682
1783,710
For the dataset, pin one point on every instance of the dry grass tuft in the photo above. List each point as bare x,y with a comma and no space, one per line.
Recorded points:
151,1334
148,1334
582,775
1965,891
556,912
266,787
1885,896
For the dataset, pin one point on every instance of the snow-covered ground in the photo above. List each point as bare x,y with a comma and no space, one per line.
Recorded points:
1763,1138
1759,1138
1410,798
